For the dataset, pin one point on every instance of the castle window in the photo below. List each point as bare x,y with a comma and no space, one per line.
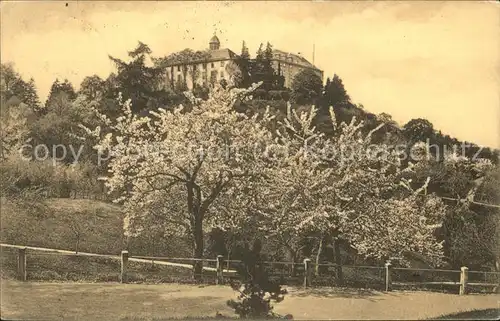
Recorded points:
179,68
222,74
205,66
212,65
222,63
172,68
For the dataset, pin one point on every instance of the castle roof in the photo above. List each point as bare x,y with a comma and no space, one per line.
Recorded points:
292,58
221,54
211,56
216,54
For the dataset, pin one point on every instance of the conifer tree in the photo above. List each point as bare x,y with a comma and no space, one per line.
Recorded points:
335,93
137,81
253,301
57,88
263,70
245,66
245,54
12,84
260,54
268,53
26,92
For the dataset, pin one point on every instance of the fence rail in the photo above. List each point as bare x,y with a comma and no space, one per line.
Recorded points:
126,268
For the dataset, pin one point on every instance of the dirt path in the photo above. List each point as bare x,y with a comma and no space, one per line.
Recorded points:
107,301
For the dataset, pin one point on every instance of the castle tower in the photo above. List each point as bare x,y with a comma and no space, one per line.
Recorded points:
214,43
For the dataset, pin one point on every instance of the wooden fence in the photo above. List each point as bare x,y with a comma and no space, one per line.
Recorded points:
123,258
308,274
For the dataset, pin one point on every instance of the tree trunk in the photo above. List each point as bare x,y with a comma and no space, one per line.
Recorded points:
228,244
318,256
293,257
198,249
496,289
338,262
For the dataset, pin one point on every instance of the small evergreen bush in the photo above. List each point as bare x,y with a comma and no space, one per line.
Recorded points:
256,290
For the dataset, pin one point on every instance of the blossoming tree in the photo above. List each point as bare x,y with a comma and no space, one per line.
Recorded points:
184,172
470,230
347,188
14,128
174,167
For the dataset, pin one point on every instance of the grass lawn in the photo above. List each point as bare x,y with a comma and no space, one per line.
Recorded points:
112,301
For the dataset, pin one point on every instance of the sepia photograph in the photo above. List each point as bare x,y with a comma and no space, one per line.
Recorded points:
207,160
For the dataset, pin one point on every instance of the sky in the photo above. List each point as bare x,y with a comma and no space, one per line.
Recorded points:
428,59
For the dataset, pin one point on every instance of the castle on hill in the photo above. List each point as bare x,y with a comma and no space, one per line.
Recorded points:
213,67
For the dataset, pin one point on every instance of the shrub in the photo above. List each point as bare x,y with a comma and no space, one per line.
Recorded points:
256,289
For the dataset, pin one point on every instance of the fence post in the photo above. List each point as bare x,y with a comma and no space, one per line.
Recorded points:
388,277
464,276
220,277
124,262
21,264
307,273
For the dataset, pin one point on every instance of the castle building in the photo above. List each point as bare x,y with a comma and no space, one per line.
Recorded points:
213,67
288,65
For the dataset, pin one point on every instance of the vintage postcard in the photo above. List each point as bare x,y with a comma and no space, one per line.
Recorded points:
308,160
